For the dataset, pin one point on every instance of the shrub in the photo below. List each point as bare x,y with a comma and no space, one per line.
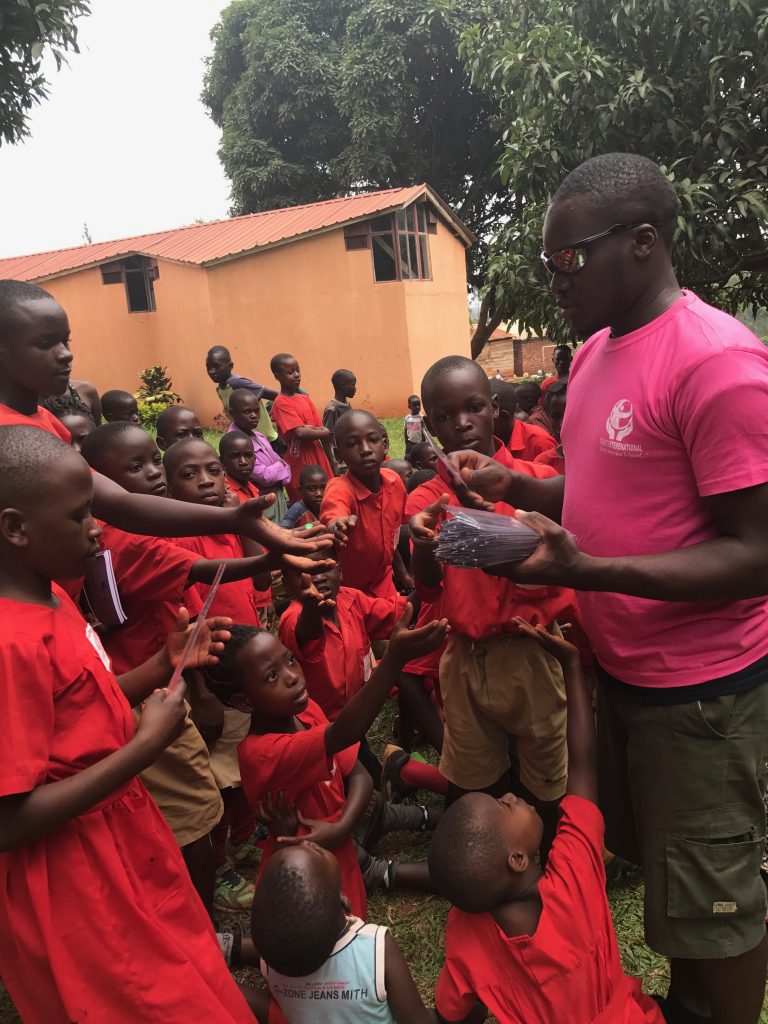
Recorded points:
155,394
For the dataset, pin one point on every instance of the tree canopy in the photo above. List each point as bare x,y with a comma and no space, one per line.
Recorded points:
684,82
27,28
317,98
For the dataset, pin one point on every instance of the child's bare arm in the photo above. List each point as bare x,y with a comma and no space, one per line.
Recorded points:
582,747
401,574
307,433
309,625
423,529
26,817
402,994
258,1002
330,834
359,714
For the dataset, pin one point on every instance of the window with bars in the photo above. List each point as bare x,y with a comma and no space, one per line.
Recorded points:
138,274
398,242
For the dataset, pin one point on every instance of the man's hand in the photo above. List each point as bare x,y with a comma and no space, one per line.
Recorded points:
486,480
209,643
557,560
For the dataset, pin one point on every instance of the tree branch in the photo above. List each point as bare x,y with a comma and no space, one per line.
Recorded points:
487,323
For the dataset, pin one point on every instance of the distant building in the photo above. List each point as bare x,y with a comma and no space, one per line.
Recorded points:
514,356
374,283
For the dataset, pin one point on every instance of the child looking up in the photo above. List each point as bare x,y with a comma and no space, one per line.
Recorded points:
176,423
413,425
36,362
495,681
219,367
313,481
313,948
524,440
93,891
344,384
292,748
534,946
367,505
119,405
299,423
270,473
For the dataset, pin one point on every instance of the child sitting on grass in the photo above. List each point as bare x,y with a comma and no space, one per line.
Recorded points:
534,946
321,962
293,750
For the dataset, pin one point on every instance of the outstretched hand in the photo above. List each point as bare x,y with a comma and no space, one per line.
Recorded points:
406,644
310,596
210,641
423,526
557,646
556,561
252,523
340,529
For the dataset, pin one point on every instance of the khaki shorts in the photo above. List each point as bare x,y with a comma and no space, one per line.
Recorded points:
183,787
496,688
223,753
681,788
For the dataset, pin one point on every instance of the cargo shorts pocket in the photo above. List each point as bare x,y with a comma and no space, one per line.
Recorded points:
715,872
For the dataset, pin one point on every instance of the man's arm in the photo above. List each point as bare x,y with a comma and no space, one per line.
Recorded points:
488,481
730,567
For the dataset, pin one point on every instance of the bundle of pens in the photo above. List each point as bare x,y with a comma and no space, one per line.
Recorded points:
472,539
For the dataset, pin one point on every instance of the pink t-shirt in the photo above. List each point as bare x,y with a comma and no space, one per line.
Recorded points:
656,421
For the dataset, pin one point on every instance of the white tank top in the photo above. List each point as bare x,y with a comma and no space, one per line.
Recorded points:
349,987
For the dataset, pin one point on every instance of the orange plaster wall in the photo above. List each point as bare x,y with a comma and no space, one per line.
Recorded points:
110,345
312,298
319,302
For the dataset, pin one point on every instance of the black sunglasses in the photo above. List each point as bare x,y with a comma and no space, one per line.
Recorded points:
573,258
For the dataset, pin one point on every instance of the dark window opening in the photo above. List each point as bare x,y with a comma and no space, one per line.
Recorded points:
398,242
138,274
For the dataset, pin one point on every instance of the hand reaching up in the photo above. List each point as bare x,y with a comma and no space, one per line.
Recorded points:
406,644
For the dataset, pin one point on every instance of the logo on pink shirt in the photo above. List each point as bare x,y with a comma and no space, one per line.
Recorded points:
619,425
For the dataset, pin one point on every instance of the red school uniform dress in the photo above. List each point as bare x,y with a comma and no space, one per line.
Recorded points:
336,666
528,441
289,412
42,418
569,969
297,764
240,600
366,560
100,919
476,604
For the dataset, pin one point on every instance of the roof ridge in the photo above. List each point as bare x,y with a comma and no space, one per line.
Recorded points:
203,224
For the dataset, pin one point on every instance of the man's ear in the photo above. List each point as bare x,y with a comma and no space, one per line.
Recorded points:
646,239
13,527
517,861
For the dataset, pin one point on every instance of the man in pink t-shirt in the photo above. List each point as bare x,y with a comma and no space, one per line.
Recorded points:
664,513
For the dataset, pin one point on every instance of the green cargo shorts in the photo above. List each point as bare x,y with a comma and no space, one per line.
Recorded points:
681,789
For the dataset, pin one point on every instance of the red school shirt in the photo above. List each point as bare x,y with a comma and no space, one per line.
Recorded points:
296,763
240,600
552,457
336,666
113,878
152,576
569,969
528,440
41,418
479,605
366,561
244,491
289,412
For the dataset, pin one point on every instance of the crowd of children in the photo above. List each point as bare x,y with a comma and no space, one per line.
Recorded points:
131,803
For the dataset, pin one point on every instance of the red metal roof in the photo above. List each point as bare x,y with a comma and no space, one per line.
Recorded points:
215,241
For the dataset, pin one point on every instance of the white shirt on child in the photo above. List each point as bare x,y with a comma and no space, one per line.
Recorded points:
349,988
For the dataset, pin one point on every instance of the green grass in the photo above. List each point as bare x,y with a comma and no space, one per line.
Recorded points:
394,425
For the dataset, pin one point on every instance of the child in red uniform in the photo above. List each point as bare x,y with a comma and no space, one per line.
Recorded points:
35,363
299,422
292,748
270,473
495,682
153,575
534,946
554,406
177,423
237,458
367,504
524,440
93,891
312,484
